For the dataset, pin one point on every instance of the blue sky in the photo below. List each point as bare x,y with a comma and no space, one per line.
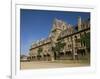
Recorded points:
36,24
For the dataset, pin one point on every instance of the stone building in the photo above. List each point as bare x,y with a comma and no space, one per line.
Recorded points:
74,38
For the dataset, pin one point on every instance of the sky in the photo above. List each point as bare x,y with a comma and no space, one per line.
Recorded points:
36,24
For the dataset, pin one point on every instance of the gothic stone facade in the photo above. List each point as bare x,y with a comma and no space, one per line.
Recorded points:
71,36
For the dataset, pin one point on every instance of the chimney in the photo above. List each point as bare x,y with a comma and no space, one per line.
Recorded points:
79,23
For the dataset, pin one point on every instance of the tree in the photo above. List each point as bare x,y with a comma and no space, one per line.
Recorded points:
58,47
22,56
85,39
39,52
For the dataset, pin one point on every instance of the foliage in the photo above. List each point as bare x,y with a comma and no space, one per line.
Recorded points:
40,50
58,46
86,39
22,56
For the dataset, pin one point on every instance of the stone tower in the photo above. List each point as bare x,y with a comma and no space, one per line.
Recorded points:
79,23
58,27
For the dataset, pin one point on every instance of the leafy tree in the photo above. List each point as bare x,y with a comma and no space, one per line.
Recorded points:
85,39
22,56
58,47
39,52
